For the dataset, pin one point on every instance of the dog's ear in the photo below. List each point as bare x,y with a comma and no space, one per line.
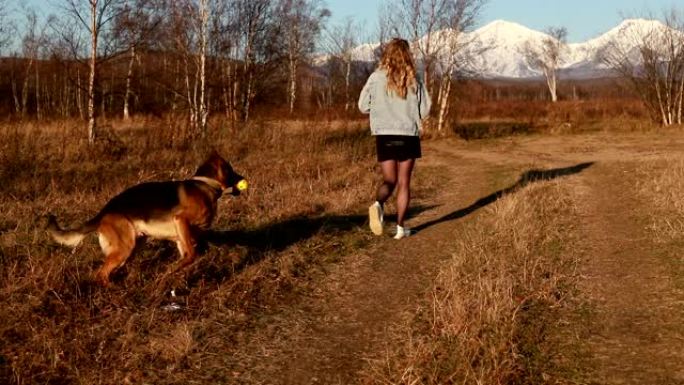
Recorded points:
213,155
210,167
216,158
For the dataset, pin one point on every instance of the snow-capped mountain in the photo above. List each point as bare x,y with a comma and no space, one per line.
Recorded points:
499,48
501,44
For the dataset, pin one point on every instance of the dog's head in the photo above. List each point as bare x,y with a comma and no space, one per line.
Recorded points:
218,169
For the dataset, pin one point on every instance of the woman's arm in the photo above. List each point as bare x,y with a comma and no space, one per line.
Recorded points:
365,97
424,101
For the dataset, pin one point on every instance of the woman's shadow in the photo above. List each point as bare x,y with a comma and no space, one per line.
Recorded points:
277,236
526,178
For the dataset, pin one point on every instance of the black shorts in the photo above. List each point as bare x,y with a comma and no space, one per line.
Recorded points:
397,147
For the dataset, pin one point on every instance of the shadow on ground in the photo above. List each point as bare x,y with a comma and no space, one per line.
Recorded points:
278,236
526,178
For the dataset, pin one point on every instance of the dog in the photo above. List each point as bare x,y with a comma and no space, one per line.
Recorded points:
174,210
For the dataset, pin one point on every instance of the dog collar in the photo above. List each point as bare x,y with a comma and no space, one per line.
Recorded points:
213,183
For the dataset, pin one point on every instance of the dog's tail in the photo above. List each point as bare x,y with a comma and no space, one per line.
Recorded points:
71,237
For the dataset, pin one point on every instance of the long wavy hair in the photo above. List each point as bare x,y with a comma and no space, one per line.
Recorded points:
397,61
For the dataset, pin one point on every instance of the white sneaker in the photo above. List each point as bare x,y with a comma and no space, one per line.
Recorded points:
375,218
403,232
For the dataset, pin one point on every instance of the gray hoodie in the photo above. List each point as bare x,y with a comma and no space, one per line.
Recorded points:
390,114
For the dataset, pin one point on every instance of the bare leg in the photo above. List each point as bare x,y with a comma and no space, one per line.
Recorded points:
404,189
389,180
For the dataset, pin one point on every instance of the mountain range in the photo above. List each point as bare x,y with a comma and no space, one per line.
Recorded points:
500,45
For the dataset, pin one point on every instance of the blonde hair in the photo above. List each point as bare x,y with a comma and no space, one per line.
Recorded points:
401,71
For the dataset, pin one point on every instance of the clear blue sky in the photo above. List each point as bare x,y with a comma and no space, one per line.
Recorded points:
584,19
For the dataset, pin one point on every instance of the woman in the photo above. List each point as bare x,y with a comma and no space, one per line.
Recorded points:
397,102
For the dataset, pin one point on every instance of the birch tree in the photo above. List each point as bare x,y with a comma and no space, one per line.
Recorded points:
341,41
655,68
419,21
203,29
135,28
436,28
457,51
32,42
95,16
300,22
547,57
253,16
189,32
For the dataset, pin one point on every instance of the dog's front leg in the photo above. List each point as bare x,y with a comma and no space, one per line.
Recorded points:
185,242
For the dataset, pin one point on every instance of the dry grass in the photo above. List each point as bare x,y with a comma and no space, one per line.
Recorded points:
661,184
545,112
497,305
307,182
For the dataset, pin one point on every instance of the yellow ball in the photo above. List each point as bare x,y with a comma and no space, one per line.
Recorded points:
242,185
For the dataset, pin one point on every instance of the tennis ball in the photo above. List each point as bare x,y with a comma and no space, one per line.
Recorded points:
242,185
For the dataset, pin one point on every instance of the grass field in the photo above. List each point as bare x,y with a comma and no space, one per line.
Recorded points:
305,181
291,284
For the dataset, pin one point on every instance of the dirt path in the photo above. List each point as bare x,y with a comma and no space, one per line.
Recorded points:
328,336
637,334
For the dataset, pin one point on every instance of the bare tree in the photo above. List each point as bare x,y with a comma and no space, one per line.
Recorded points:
300,22
385,28
457,51
253,17
341,40
188,31
547,57
203,29
134,28
95,16
650,56
436,27
419,21
32,42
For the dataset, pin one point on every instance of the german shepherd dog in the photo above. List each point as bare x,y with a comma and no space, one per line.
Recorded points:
175,210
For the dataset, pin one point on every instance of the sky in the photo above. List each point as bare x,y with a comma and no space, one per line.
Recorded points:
584,19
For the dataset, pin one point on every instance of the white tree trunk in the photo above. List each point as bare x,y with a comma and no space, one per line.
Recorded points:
551,83
292,88
191,93
663,115
39,108
248,73
79,97
204,24
443,100
92,76
681,99
127,95
347,83
25,88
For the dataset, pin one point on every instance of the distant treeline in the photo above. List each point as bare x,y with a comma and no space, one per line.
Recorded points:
102,59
